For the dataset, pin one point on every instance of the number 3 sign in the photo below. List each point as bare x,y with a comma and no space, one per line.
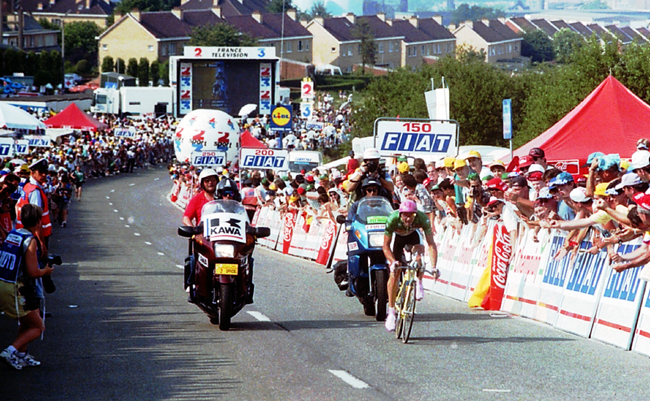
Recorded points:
306,110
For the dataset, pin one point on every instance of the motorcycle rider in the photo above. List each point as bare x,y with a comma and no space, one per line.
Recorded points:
404,223
227,190
208,183
370,168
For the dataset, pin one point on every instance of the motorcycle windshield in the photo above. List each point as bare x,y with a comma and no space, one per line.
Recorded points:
373,210
224,220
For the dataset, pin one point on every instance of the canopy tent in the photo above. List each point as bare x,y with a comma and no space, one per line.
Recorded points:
610,120
12,118
72,117
249,141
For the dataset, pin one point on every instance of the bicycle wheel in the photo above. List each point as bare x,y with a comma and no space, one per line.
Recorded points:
399,307
409,312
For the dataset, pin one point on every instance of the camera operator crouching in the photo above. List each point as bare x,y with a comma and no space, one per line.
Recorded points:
21,291
371,168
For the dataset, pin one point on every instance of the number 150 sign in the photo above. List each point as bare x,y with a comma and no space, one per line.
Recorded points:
416,138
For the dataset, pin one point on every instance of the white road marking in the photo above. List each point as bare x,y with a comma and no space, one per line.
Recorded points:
108,197
131,185
110,203
147,242
180,266
112,190
122,218
156,179
258,316
349,379
161,254
115,210
127,226
136,234
496,390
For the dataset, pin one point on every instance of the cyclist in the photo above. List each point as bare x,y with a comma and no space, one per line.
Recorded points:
404,223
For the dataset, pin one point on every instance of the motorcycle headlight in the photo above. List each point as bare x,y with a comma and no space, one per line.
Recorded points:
224,251
376,240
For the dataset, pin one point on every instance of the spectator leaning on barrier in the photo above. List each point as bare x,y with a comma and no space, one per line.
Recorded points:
561,186
641,255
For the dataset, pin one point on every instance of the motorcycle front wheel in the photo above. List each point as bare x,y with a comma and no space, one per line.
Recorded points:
225,305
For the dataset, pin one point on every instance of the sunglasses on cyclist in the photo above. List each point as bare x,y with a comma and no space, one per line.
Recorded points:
409,214
372,190
229,193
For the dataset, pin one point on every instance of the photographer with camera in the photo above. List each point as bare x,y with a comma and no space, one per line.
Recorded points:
21,290
371,168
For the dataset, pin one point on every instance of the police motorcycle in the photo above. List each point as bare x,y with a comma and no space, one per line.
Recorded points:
366,265
220,269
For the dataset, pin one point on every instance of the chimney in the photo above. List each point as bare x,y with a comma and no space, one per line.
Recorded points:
257,15
382,16
452,27
292,13
319,20
216,9
136,14
470,24
351,17
485,21
39,6
414,21
438,19
87,4
52,2
178,13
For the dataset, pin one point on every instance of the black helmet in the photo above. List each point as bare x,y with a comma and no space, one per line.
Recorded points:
370,182
228,186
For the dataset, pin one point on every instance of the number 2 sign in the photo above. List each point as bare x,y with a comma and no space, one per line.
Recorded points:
307,90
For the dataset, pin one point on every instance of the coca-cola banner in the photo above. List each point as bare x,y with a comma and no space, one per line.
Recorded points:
287,231
326,243
499,262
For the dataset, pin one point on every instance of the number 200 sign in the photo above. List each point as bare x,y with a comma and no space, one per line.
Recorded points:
416,138
263,159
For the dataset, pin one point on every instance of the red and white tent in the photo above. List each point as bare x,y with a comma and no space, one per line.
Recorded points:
72,117
610,120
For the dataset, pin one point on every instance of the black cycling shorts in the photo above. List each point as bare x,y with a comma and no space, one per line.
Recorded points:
401,241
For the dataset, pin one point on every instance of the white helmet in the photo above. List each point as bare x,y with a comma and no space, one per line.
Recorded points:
207,172
371,153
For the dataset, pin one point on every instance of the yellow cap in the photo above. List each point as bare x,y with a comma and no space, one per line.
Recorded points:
224,172
449,162
403,167
625,164
24,168
473,153
459,163
272,187
601,188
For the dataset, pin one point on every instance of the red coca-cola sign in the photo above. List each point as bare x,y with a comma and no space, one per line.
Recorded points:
499,263
326,243
289,223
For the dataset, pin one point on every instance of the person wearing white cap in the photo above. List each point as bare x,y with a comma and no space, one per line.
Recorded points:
640,164
208,183
631,184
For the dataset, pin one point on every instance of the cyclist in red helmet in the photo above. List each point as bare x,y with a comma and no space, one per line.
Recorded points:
404,223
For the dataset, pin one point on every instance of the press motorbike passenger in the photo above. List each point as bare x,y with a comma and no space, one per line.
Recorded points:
371,168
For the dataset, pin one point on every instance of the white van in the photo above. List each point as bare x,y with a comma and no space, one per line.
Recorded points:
304,159
328,69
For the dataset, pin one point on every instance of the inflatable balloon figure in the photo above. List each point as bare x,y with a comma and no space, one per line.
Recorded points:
207,130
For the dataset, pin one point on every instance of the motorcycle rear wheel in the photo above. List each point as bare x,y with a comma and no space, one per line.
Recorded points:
381,294
225,306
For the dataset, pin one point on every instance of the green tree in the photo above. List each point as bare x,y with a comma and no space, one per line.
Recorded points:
565,43
107,64
143,72
466,13
363,32
14,61
132,67
219,35
466,53
83,67
31,64
56,67
276,6
318,9
80,42
120,66
164,72
155,72
538,46
44,74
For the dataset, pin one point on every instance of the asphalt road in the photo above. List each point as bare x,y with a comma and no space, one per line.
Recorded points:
121,329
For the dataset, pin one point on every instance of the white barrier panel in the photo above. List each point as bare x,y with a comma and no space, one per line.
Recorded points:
619,306
554,280
184,196
312,239
446,252
462,267
480,258
583,291
641,341
341,248
274,222
297,247
525,275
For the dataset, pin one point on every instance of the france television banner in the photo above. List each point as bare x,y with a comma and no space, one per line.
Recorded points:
264,159
21,147
416,138
39,141
209,158
124,132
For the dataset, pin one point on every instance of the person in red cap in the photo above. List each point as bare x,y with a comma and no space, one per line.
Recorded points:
524,164
538,157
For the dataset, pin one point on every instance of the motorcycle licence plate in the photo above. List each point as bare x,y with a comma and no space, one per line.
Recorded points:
226,268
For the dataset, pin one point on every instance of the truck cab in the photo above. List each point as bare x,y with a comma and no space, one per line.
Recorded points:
304,160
